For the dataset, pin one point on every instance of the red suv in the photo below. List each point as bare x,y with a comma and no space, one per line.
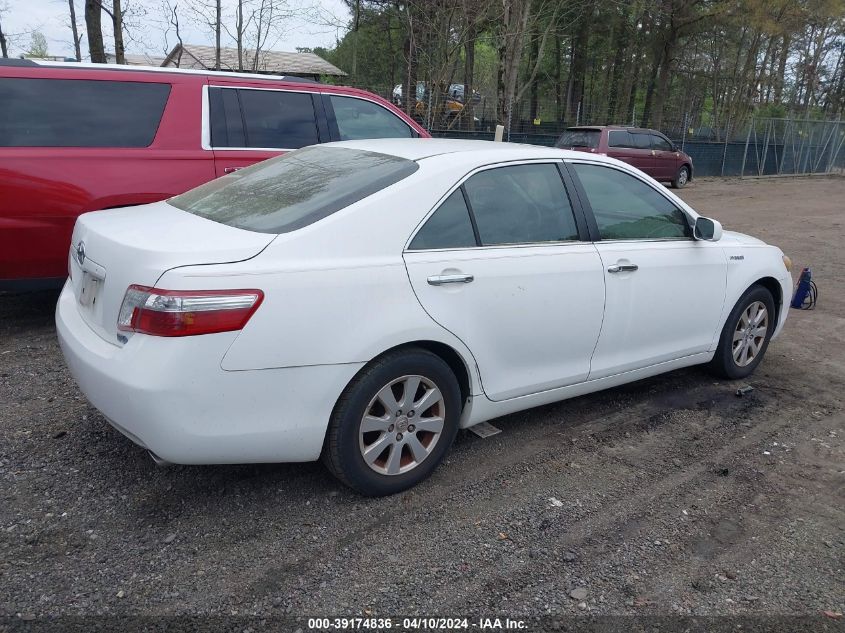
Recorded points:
81,137
647,150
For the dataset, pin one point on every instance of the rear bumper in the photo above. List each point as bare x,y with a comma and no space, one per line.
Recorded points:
172,397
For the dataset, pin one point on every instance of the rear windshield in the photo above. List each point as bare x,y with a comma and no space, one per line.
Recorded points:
579,138
294,190
79,112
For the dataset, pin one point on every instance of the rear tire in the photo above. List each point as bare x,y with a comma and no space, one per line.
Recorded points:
746,335
681,178
394,423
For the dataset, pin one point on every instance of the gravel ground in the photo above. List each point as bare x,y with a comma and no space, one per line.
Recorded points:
667,496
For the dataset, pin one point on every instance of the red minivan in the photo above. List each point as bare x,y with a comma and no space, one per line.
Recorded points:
81,137
647,150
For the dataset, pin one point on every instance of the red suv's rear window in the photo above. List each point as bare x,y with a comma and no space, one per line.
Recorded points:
79,112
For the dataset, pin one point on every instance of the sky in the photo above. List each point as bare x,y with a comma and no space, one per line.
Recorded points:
315,23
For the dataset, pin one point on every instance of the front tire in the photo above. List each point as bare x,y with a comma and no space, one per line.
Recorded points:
746,335
394,423
681,178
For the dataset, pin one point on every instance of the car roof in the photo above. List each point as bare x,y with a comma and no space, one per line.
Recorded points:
32,63
418,149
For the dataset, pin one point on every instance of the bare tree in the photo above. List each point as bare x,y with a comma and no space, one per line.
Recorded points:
171,21
117,22
208,14
241,27
77,38
517,22
94,27
3,48
217,39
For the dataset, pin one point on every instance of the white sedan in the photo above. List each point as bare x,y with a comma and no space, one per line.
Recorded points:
362,301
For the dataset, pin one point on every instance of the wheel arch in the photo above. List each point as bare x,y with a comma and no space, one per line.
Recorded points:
447,354
773,286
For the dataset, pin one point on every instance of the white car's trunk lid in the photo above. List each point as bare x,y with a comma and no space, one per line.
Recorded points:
111,250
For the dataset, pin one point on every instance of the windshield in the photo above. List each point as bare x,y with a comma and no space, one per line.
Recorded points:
579,138
294,190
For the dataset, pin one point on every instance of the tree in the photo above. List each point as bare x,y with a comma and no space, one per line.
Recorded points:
117,24
37,45
3,49
94,28
171,21
77,38
208,14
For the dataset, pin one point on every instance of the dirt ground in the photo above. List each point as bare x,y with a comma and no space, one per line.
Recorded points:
670,496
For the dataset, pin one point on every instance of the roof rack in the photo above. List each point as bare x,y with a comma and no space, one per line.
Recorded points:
157,69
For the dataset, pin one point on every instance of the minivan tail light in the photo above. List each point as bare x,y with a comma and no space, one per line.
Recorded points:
186,312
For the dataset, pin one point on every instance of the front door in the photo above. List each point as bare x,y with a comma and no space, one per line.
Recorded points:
665,290
666,159
502,265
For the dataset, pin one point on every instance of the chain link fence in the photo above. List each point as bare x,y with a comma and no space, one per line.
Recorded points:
755,146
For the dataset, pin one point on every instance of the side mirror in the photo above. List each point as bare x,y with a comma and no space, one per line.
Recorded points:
707,229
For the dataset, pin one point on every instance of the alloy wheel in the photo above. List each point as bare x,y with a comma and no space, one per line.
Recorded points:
401,425
750,333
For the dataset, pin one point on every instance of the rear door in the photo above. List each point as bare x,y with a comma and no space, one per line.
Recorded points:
247,124
622,145
504,263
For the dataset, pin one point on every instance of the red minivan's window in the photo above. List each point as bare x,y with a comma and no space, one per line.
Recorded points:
79,112
579,138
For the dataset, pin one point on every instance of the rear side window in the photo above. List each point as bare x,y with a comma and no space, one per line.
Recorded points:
448,227
79,112
579,138
357,119
278,119
227,127
521,204
619,138
641,140
294,190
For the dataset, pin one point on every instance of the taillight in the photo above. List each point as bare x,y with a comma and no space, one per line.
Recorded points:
186,312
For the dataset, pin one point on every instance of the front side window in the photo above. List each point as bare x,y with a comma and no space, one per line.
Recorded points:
660,143
278,119
294,190
357,119
521,204
448,227
79,112
626,208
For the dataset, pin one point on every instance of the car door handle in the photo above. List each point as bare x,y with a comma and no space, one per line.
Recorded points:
230,170
439,280
622,268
